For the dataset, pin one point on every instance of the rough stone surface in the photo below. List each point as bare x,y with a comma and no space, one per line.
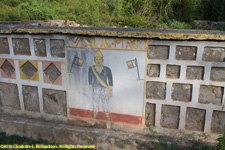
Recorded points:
181,92
149,114
39,47
57,48
214,54
9,96
30,98
195,73
52,72
54,102
170,116
21,46
156,90
172,71
217,74
7,68
67,134
210,94
153,70
195,119
28,69
4,46
158,52
218,121
186,52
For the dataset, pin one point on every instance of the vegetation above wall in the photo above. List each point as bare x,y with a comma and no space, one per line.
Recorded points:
178,14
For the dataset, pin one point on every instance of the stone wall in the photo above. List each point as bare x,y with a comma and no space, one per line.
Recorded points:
33,74
185,84
184,80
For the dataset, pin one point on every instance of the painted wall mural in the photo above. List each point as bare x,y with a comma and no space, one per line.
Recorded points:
106,79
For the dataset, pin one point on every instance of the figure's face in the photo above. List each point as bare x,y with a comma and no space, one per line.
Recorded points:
98,61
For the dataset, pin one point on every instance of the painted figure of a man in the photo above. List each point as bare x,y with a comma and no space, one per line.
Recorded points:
101,82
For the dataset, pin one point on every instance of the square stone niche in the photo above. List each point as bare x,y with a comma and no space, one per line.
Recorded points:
195,72
173,71
186,52
158,52
210,95
54,102
9,97
181,92
30,97
195,119
217,74
39,47
57,48
21,46
153,70
218,122
213,54
150,114
170,116
4,46
156,90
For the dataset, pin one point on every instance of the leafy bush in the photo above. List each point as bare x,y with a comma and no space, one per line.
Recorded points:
132,13
213,10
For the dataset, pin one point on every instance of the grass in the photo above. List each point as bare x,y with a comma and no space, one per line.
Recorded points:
21,140
161,145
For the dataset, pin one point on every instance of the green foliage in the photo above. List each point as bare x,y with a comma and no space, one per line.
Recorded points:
177,14
221,142
213,10
183,10
174,24
16,139
36,10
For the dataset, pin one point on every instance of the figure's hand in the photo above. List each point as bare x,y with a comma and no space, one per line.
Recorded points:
110,87
90,86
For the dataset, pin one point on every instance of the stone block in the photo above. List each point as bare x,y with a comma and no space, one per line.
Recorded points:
195,119
156,90
29,69
30,98
172,71
158,52
7,68
181,92
150,114
52,72
186,53
153,70
195,73
39,47
4,46
54,102
9,97
21,46
217,74
57,48
218,122
210,94
170,116
214,54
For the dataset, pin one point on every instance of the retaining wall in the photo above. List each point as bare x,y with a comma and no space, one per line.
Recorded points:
169,80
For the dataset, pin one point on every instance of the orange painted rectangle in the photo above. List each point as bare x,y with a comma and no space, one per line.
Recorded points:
114,117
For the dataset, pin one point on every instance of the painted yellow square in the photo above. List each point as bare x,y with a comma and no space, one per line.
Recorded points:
80,61
129,63
35,77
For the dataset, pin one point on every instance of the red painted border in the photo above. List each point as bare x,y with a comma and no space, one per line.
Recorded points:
114,117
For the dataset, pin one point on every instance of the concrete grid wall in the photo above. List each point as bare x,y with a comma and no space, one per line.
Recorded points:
185,85
33,75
